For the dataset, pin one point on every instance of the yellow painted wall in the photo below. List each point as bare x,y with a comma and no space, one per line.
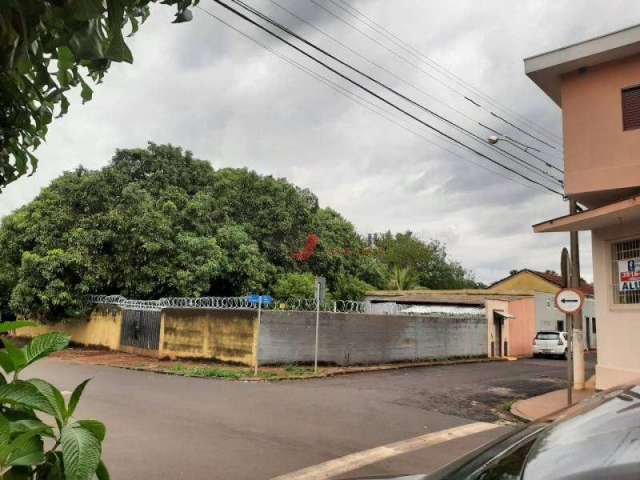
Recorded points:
525,281
101,329
228,336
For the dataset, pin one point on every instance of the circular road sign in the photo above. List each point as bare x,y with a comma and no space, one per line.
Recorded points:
569,300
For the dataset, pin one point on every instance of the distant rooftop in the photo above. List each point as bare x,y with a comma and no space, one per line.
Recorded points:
546,69
447,297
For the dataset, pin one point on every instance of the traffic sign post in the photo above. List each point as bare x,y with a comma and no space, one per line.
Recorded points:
569,300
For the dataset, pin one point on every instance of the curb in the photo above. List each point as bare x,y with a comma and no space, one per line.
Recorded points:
516,412
355,370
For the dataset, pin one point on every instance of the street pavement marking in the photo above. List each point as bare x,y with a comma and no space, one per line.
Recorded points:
353,461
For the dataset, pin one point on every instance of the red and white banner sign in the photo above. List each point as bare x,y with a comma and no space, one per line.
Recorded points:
629,276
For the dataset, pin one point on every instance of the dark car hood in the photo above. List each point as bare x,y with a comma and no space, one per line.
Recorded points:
599,440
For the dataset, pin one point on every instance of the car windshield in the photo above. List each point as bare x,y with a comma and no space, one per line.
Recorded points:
547,336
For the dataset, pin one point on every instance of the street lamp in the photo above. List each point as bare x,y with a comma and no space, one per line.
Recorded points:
494,139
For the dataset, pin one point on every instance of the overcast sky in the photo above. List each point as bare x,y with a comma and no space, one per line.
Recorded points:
203,86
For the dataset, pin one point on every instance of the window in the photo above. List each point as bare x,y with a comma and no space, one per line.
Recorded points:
560,325
625,267
593,324
547,336
631,108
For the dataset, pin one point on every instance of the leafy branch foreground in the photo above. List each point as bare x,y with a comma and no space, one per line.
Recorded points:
29,447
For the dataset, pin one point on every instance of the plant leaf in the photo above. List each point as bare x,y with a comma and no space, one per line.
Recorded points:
80,452
25,394
101,472
5,431
16,355
95,427
21,426
86,9
10,326
45,344
75,397
6,363
27,449
118,50
53,396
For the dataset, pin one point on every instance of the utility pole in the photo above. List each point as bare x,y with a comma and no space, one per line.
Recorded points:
576,334
565,268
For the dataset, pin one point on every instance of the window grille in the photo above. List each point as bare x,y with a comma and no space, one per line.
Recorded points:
626,272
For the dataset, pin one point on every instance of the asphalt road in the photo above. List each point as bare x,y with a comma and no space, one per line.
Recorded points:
168,427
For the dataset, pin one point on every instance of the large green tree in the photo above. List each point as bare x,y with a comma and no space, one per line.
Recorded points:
157,222
48,47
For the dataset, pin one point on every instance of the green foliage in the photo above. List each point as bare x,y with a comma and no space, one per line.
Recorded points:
402,278
295,285
74,447
156,223
413,262
48,48
348,287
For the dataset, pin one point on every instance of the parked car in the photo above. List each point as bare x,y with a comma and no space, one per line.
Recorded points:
598,440
550,343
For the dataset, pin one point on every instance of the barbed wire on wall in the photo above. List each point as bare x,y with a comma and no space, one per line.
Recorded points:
230,303
268,304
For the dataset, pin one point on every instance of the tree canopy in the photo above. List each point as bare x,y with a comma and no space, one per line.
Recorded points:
157,222
48,47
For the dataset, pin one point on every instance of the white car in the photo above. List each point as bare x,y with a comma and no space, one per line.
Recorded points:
550,343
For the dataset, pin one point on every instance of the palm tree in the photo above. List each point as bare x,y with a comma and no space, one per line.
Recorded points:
402,279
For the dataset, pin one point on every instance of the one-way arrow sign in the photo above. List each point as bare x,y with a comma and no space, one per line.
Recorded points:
569,300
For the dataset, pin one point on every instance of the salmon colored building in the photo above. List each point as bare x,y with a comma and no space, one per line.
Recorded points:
596,83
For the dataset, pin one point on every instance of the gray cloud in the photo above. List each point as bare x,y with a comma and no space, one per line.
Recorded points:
203,86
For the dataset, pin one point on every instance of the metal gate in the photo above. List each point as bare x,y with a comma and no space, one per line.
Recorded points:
141,329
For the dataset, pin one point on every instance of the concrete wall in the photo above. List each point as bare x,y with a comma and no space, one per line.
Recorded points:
346,339
225,335
618,325
522,329
599,154
100,329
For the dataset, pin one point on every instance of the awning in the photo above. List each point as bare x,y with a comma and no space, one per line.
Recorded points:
618,213
506,316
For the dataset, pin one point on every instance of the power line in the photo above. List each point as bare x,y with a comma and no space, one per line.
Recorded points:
410,62
502,152
365,103
379,97
410,48
402,80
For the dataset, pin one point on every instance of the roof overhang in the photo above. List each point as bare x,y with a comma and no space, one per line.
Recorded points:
547,69
618,213
506,316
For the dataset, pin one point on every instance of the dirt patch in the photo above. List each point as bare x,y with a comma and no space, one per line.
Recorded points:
213,369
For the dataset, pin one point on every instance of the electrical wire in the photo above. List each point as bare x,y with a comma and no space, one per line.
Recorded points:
410,48
367,104
410,84
475,137
379,97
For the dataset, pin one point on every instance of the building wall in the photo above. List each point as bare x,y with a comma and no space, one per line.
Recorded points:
522,329
100,329
347,339
224,335
599,154
618,325
525,281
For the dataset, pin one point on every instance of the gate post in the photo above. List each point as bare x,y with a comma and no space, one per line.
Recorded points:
257,347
